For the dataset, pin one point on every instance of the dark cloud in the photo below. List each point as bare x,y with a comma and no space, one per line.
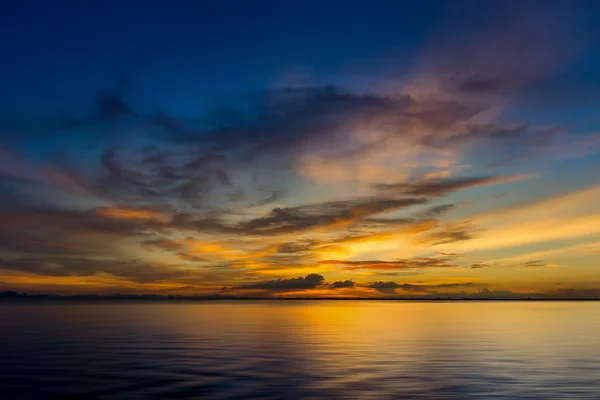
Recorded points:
183,177
479,265
42,235
337,214
296,247
382,222
527,264
295,219
279,126
142,221
441,187
289,118
449,233
133,270
342,284
534,263
53,221
436,211
282,124
310,281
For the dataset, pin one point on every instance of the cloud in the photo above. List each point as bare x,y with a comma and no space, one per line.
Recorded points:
342,284
131,213
159,177
51,234
534,263
133,270
324,134
76,222
310,281
328,214
287,130
400,264
26,243
288,118
296,247
436,211
448,233
441,187
479,265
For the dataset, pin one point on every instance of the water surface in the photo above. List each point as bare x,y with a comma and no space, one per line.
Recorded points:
300,350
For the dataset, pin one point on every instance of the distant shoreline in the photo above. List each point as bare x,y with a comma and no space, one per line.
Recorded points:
26,298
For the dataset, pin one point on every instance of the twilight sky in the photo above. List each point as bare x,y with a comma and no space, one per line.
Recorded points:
294,148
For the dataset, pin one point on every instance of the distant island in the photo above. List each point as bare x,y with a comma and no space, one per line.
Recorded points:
25,297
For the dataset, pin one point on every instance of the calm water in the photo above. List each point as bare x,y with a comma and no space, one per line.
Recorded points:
300,350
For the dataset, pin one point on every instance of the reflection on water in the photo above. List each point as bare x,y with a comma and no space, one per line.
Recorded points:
301,350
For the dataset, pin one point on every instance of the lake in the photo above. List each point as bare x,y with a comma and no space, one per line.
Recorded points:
300,350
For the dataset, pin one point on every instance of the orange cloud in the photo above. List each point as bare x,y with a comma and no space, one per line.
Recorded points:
131,213
567,216
400,264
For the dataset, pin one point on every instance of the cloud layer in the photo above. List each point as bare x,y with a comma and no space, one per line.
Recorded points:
426,182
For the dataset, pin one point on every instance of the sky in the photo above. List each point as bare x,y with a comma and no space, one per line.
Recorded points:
300,148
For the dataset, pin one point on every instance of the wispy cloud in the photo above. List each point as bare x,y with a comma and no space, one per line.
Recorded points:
415,263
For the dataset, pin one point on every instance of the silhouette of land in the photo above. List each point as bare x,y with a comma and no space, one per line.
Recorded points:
25,297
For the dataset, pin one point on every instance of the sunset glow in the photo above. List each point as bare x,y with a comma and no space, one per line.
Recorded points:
466,166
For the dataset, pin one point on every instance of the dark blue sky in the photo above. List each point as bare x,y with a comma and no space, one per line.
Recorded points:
180,55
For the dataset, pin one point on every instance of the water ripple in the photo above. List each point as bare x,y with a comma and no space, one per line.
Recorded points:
300,350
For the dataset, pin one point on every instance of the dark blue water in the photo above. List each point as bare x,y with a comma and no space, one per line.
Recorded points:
300,350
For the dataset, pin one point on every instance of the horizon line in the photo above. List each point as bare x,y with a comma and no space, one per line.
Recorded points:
12,295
